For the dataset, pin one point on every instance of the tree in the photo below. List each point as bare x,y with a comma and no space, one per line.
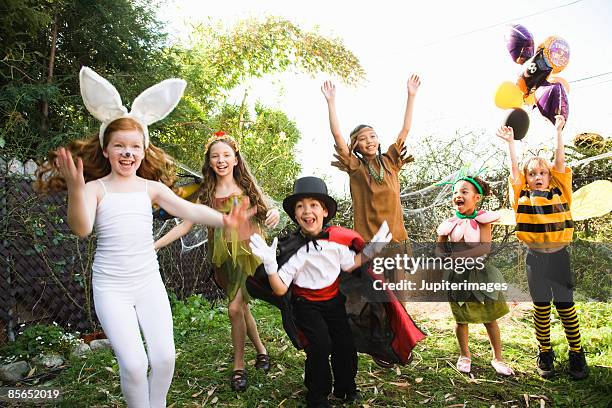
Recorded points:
41,107
216,61
44,44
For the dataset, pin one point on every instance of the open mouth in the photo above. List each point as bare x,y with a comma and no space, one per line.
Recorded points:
126,163
308,221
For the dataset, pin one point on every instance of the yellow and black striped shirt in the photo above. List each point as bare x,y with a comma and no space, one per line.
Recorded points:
543,217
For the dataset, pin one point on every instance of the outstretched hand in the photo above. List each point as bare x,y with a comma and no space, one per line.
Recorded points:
414,82
506,133
272,218
266,253
72,174
378,241
240,214
329,90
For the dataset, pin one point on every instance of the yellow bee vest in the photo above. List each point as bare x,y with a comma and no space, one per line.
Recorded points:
543,217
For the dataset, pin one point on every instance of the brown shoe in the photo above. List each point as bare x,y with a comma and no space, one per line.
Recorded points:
262,361
238,381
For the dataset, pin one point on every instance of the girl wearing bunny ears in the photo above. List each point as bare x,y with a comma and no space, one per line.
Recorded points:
112,186
226,177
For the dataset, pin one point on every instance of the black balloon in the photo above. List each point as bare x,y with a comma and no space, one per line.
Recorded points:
518,120
535,74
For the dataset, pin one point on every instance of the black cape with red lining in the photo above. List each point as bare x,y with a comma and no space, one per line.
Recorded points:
380,325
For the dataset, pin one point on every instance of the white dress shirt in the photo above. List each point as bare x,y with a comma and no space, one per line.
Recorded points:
319,267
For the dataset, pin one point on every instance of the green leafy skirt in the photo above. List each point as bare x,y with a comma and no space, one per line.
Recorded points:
232,262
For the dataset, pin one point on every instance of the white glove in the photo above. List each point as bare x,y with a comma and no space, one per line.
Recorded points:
266,253
378,241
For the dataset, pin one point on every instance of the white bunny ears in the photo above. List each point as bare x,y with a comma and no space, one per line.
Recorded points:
104,102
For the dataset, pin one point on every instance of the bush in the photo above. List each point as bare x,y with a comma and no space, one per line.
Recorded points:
40,339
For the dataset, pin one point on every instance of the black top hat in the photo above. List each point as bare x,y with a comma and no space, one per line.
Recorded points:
310,187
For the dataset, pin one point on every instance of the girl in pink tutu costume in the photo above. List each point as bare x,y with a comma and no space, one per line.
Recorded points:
468,235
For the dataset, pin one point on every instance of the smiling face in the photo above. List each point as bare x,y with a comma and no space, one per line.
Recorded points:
367,142
465,197
537,174
125,151
309,214
222,159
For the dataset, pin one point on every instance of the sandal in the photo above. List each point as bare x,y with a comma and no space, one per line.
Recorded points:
238,381
262,361
501,368
464,364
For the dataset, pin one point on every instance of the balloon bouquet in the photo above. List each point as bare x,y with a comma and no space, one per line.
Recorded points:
536,85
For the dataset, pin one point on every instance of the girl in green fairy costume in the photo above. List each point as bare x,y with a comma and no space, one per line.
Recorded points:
227,181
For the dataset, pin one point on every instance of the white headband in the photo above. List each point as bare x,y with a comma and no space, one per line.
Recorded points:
104,102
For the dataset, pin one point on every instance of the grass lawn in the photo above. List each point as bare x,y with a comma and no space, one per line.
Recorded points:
203,365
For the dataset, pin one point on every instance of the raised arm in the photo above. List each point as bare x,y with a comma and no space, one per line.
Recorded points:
82,198
174,234
378,242
360,259
559,163
197,213
414,82
268,257
329,91
276,283
506,133
173,204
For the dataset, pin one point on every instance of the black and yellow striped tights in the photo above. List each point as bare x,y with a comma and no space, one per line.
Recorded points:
569,319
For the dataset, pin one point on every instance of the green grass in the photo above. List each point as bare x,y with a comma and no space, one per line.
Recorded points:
203,366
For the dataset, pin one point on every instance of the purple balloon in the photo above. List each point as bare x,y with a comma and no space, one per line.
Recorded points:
519,42
552,100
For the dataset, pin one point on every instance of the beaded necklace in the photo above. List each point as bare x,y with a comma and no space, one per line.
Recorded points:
381,174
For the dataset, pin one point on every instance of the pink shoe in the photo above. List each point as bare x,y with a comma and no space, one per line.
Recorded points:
464,364
501,368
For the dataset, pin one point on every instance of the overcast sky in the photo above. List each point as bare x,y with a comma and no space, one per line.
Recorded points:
458,49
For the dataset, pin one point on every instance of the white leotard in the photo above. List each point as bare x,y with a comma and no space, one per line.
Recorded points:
124,252
130,297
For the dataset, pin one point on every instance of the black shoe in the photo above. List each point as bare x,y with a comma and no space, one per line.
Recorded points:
321,404
262,361
354,396
382,362
347,397
238,381
578,368
546,365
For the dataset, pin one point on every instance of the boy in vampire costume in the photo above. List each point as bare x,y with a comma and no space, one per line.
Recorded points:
304,281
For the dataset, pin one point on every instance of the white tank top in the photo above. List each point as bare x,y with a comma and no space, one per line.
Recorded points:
124,251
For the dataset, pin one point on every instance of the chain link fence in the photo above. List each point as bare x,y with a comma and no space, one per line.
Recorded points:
46,271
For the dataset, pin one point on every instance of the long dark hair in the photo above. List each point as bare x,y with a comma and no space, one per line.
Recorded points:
356,152
243,176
